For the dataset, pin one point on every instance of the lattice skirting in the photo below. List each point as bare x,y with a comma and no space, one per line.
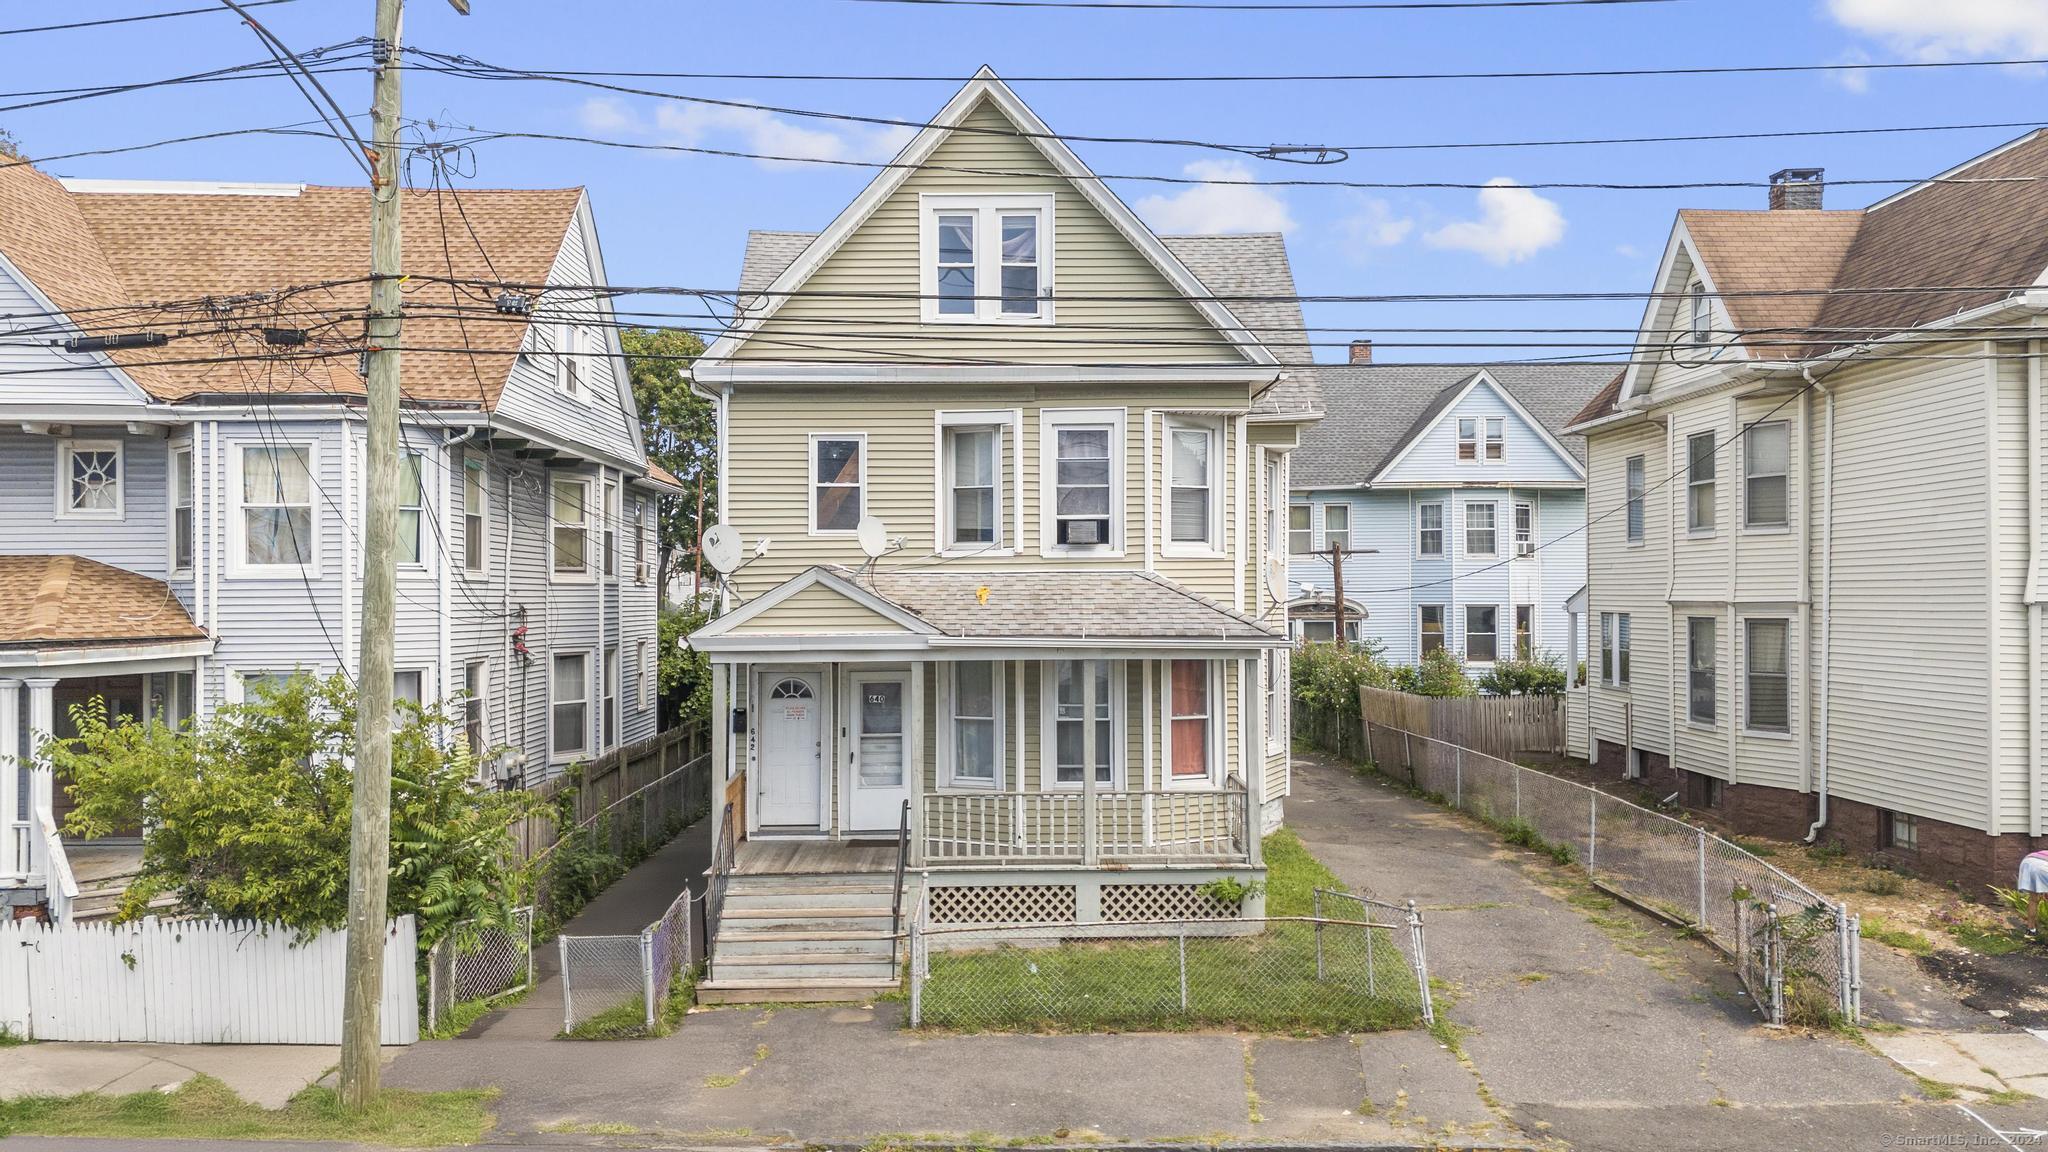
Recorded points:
1125,903
1003,904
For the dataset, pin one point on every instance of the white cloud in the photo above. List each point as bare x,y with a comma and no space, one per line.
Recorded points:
1628,251
1373,225
1513,225
1855,80
1953,28
1209,208
746,130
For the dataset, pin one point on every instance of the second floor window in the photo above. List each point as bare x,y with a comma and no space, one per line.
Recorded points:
1699,482
1482,534
1191,477
1082,499
838,469
1337,526
277,506
611,528
973,469
1429,529
1301,529
90,480
988,260
640,540
1430,622
474,498
1765,462
1525,529
181,509
571,518
411,503
1633,480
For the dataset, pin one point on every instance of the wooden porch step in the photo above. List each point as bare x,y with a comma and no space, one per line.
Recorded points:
814,967
766,897
874,919
844,944
756,991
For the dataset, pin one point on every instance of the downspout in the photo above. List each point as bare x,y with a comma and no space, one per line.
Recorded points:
1827,589
1673,677
2033,590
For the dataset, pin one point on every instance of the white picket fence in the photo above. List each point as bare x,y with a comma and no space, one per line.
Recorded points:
192,982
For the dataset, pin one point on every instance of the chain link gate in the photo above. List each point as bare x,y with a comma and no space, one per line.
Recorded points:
476,962
617,985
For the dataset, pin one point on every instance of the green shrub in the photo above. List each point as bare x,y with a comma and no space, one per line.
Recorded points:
1540,675
1439,674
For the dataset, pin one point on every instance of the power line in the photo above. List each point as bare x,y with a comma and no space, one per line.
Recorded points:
137,19
1279,6
255,70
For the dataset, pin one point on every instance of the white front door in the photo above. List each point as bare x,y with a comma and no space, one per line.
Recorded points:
881,751
790,725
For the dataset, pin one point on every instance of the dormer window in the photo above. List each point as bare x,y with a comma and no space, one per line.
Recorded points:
987,259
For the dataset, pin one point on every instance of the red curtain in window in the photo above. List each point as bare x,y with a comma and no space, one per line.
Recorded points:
1190,718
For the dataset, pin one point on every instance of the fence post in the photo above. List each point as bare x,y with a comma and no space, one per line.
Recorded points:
1457,776
1518,793
1774,949
1317,896
1183,967
1592,827
1421,962
568,1001
1703,879
434,984
1846,983
647,975
1852,934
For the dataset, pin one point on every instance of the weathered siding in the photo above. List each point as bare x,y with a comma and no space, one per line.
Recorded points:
1629,577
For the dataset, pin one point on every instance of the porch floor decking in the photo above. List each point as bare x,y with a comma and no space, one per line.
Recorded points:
811,858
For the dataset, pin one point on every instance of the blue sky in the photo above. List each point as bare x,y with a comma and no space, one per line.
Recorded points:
672,219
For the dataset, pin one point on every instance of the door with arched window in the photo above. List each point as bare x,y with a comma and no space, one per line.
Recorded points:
791,727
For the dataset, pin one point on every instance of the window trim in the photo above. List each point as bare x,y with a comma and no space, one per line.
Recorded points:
473,462
1422,552
1635,485
1278,669
641,569
1214,545
1699,318
1443,630
419,510
478,698
1487,439
571,379
238,563
190,508
1050,421
1693,482
949,695
1465,641
1048,733
1310,531
1008,424
1616,632
811,484
1522,549
583,748
67,448
1768,526
1212,721
988,210
1712,670
1465,529
609,520
588,572
645,670
1323,522
1749,674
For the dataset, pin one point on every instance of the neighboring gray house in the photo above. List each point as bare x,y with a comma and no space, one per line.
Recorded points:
1463,498
182,506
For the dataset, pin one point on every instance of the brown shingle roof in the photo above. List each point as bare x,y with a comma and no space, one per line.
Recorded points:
1602,403
1093,606
58,600
89,249
1761,251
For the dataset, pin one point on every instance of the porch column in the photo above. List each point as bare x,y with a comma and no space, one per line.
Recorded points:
13,848
1090,847
721,738
41,710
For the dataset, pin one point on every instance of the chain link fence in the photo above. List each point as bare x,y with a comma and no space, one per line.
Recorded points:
479,962
1796,951
1360,968
616,986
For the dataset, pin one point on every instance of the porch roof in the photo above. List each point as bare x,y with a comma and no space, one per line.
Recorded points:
67,601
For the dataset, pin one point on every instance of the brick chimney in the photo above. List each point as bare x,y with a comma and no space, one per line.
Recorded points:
1361,351
1797,188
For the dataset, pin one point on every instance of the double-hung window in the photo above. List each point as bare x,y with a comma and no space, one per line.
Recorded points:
1699,482
987,259
570,515
1081,462
1496,439
838,483
1191,469
610,703
1766,689
610,513
640,539
569,704
1468,438
1700,653
973,506
1632,471
1614,629
1525,529
275,526
1081,695
181,509
645,670
475,690
1525,631
1766,451
976,746
475,505
1430,621
1429,530
1482,438
1337,526
1699,315
412,502
1482,633
570,343
1190,728
89,479
1482,535
1301,530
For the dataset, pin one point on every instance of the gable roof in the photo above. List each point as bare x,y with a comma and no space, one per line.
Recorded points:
1372,411
984,87
92,244
70,600
1747,252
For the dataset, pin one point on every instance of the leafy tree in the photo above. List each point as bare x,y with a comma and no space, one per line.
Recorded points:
1540,675
248,813
679,429
10,146
1439,674
685,675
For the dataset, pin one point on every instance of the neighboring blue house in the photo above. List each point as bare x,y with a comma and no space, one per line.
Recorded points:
1464,501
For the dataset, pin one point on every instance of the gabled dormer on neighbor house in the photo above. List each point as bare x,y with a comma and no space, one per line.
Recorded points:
1074,442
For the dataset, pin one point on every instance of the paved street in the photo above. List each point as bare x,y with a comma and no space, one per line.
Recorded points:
1586,1024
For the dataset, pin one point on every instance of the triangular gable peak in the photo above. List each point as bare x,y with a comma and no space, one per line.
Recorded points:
816,602
1417,460
868,266
1666,316
72,381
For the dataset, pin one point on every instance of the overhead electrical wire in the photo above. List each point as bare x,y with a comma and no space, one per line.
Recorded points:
1276,6
255,70
137,18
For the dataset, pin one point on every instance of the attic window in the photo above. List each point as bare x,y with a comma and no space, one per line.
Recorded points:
1699,314
986,259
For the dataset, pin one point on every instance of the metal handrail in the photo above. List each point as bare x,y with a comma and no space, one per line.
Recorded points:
902,859
723,850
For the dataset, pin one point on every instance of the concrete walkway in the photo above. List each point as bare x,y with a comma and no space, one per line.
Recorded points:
265,1074
1577,1021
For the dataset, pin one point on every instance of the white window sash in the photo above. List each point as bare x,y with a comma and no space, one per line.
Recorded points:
238,539
815,484
558,702
1209,484
184,508
988,257
1048,773
476,507
580,525
1423,530
1051,422
949,703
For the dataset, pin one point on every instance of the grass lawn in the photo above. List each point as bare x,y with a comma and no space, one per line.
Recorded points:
205,1109
1263,982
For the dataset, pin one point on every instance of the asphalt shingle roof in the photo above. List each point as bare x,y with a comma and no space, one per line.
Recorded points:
1371,410
1064,605
69,600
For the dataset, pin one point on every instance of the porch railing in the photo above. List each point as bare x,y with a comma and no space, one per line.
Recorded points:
1151,825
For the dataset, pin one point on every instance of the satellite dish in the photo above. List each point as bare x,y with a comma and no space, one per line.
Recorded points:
873,537
721,547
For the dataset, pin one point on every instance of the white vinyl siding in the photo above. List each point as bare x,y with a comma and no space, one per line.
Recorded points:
1699,482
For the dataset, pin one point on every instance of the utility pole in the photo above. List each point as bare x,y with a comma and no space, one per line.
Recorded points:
369,857
1335,553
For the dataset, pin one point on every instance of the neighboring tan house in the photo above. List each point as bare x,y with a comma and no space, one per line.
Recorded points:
1066,676
1818,521
181,442
1459,500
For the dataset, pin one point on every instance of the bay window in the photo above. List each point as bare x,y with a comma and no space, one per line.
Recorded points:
569,704
412,500
181,509
475,500
1699,482
1482,531
1482,633
1525,530
1766,689
1191,486
1430,627
1429,530
1766,459
1700,687
274,527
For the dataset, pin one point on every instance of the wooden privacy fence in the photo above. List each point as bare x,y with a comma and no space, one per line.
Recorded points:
1496,725
192,982
618,774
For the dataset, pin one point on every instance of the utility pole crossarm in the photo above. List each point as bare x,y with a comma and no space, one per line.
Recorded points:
1335,554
